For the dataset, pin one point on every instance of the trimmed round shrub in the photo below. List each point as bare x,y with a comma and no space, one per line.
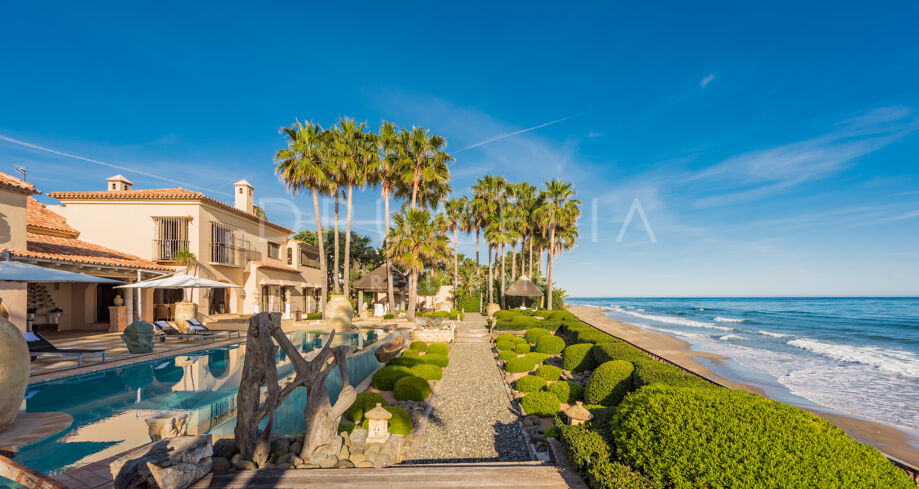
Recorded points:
530,383
609,383
505,337
542,404
405,361
400,423
648,371
411,388
438,349
517,365
389,316
364,402
346,427
567,392
553,345
522,348
505,345
617,350
313,317
519,340
606,473
534,334
700,438
411,353
507,355
537,358
549,372
427,371
418,345
385,378
577,358
434,359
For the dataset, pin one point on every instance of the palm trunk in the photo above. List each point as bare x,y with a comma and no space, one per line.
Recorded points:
477,262
455,266
412,295
514,261
389,288
323,266
549,266
530,269
491,283
336,285
503,253
347,257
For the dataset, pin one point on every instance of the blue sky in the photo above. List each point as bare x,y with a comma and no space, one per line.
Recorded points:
772,147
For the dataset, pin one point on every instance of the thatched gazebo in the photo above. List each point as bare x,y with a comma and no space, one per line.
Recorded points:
523,287
375,283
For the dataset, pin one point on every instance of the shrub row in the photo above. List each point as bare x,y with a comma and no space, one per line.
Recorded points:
590,456
454,314
469,303
577,357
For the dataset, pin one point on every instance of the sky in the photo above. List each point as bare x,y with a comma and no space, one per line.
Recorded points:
718,148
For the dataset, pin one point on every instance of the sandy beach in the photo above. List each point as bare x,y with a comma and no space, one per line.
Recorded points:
889,439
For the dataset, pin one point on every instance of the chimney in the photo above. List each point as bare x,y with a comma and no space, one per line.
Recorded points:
118,183
244,199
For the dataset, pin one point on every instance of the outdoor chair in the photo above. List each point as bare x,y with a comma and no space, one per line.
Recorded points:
38,345
169,331
198,327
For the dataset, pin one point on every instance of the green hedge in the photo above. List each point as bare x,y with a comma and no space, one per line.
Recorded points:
720,438
549,372
590,455
522,348
577,358
617,350
593,335
389,316
530,383
348,427
411,388
400,423
648,371
607,474
505,345
537,357
435,359
404,361
552,345
505,337
418,345
518,365
314,316
507,355
468,303
385,378
542,404
439,349
533,334
411,353
427,371
609,383
364,402
520,340
567,392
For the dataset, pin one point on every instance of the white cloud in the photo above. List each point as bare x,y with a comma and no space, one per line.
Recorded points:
706,80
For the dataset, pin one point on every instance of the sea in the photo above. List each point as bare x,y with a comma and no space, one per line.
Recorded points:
855,356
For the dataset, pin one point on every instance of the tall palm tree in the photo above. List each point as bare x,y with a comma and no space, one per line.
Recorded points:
489,190
357,153
417,240
388,145
560,208
453,210
467,223
424,164
300,166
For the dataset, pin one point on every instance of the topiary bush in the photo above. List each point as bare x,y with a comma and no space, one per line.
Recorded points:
719,438
418,345
567,392
617,350
405,361
505,345
507,355
505,337
553,345
400,423
522,348
537,358
438,349
411,353
385,378
549,372
577,358
530,383
411,388
364,402
593,335
434,359
533,334
542,404
609,383
607,474
389,316
517,365
648,371
583,446
427,371
520,340
313,317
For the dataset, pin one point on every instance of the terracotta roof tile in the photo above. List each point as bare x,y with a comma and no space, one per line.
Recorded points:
12,183
76,251
275,266
39,216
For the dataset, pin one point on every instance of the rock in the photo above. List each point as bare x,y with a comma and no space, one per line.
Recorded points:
358,458
359,435
167,424
280,445
346,438
220,464
344,453
372,449
307,466
345,464
245,465
296,460
268,466
283,466
295,448
382,461
365,463
357,447
393,446
317,458
225,447
174,463
283,459
329,462
236,458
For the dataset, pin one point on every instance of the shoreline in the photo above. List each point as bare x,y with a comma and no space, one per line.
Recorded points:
893,441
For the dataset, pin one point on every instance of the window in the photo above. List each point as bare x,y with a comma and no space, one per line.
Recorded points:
309,256
274,251
290,256
171,236
223,244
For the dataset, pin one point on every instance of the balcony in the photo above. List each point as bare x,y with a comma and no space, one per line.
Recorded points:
165,249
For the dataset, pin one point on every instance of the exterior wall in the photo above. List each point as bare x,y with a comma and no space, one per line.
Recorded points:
13,237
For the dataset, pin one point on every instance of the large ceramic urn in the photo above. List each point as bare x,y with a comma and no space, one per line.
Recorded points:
14,372
491,309
183,312
338,312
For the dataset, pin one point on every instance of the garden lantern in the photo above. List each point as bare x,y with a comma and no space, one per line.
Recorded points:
377,424
577,414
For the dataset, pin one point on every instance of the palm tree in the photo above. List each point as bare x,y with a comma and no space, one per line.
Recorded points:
453,209
188,260
357,153
424,164
414,241
301,165
489,190
467,223
560,208
388,143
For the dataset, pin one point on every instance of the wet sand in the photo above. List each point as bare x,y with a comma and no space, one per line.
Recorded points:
889,439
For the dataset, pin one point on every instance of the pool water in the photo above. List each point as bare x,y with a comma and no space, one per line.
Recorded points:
109,406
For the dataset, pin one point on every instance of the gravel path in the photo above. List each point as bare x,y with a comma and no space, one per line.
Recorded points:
471,420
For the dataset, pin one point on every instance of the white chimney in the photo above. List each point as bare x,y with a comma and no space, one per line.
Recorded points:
244,200
118,183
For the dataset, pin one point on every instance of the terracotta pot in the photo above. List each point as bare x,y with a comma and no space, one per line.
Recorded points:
338,311
14,372
183,312
491,308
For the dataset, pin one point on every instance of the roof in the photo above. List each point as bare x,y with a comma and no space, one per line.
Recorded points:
119,178
243,182
523,287
73,250
42,220
9,182
177,193
274,266
375,281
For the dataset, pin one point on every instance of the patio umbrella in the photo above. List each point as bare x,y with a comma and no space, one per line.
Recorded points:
524,288
179,282
15,271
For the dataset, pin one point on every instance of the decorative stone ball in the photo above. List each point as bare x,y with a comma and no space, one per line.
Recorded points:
339,311
14,372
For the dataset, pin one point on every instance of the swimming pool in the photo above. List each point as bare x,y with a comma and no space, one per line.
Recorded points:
109,406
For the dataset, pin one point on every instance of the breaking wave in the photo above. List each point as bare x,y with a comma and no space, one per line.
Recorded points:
892,361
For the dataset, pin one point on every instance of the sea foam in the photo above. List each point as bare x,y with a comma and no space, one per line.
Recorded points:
773,335
888,360
720,319
731,337
672,320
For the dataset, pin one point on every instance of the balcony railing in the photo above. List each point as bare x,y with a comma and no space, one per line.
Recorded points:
165,249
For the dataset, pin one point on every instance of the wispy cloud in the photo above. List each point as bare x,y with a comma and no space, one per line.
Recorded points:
706,80
522,131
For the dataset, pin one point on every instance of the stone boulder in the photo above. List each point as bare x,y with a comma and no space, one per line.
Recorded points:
167,424
174,463
138,337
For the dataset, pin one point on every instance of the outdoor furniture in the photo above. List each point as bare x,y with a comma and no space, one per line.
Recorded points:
38,345
169,331
198,327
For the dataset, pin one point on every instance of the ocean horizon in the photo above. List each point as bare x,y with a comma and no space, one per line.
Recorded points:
849,355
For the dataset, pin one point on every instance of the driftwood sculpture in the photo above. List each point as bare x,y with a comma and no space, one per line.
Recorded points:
259,368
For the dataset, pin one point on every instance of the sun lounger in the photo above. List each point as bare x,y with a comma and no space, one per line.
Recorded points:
198,327
168,331
38,345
